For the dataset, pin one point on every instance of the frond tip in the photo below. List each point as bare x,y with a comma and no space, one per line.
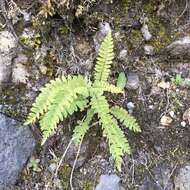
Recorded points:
104,60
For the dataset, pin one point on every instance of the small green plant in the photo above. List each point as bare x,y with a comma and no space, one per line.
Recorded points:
122,80
179,81
33,41
63,96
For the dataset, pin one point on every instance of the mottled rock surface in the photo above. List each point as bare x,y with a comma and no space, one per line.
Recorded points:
16,145
182,181
7,49
7,42
162,179
179,48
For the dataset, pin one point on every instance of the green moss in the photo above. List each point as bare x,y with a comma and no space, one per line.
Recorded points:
34,41
88,185
134,39
150,7
161,38
64,175
64,30
127,3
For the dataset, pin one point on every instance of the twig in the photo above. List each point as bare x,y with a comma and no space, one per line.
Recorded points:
73,168
62,158
168,103
133,172
170,176
183,12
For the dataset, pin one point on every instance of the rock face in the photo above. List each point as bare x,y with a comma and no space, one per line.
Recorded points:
109,182
7,48
16,146
182,181
7,42
179,48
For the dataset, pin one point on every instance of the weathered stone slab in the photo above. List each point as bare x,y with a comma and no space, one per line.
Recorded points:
16,146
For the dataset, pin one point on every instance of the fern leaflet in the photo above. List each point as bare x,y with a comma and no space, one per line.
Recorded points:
124,117
106,87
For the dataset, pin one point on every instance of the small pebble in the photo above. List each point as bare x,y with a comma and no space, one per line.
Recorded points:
151,107
130,106
165,120
123,54
104,28
145,32
148,50
27,16
52,167
172,114
43,69
183,123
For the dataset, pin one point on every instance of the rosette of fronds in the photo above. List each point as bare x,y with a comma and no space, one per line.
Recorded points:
63,96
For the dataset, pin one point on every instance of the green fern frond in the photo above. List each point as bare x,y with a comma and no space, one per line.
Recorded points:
104,60
81,129
117,141
45,98
63,103
58,112
106,87
124,117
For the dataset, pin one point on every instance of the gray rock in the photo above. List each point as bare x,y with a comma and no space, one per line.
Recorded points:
109,182
179,48
182,181
16,146
132,81
145,32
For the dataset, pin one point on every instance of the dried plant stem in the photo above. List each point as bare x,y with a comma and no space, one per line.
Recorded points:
62,158
73,168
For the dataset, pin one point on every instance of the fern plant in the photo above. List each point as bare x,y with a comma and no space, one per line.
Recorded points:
63,96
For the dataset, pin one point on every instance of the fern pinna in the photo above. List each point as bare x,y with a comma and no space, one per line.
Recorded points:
64,96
